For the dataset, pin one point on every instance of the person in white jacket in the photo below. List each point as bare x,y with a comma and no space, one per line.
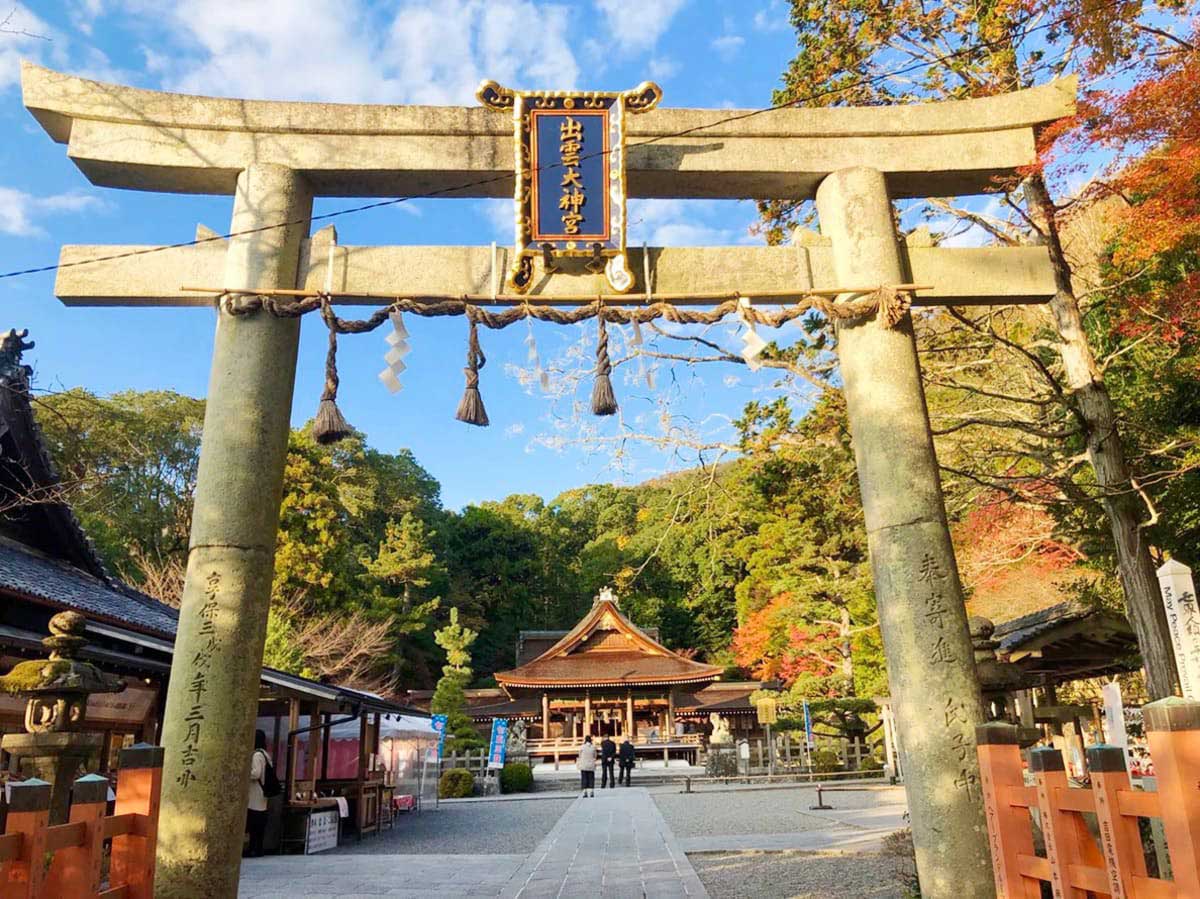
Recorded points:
256,800
586,763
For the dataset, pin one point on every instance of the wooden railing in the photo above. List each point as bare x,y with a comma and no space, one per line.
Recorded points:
539,746
76,849
1076,864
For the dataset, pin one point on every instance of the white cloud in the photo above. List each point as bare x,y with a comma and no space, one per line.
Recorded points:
425,51
636,25
663,67
18,210
729,42
772,17
728,45
25,37
689,223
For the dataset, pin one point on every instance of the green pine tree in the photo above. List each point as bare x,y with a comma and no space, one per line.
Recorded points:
449,698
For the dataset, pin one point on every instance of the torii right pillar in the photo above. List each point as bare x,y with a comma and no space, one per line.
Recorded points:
931,667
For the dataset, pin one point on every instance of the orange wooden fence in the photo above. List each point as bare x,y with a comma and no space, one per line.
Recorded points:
75,850
1078,864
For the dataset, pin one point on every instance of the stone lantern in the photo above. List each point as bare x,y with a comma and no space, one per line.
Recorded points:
58,687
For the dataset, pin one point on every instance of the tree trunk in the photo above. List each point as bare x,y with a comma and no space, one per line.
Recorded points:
845,648
1121,505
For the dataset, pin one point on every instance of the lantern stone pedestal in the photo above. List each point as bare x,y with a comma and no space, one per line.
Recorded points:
55,758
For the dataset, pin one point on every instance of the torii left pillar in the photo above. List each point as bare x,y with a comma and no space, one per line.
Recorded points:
212,699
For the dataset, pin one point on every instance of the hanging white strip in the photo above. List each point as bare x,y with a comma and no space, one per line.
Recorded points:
389,380
397,340
752,343
535,360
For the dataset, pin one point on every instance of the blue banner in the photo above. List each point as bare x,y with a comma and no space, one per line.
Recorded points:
439,724
498,745
808,731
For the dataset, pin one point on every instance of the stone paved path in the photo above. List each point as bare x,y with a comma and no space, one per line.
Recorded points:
613,846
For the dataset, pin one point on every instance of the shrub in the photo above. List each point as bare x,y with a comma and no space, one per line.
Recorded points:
516,777
826,761
870,763
456,783
721,762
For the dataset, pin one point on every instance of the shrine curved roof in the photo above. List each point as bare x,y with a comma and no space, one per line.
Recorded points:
607,649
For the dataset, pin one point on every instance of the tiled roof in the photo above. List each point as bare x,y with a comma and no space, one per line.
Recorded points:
605,648
29,573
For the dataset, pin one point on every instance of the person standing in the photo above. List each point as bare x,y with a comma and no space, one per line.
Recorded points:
256,801
608,758
586,763
627,756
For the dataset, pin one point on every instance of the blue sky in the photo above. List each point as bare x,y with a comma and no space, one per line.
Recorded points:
413,52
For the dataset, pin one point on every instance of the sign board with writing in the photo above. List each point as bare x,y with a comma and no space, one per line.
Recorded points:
498,745
809,742
570,176
767,709
1183,618
322,832
438,723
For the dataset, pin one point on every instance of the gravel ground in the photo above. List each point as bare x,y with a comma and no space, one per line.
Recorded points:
797,875
765,811
469,828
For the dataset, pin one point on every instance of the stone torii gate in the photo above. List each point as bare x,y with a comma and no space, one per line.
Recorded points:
273,157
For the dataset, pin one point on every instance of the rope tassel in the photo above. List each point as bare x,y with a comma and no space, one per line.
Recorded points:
470,408
604,401
329,425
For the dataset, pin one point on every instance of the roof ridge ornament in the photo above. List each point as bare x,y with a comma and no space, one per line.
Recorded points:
12,345
570,181
606,595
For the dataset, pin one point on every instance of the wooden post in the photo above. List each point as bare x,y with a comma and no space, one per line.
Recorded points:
75,870
587,713
1010,834
1120,840
1173,731
545,715
1062,849
139,791
629,708
28,817
671,713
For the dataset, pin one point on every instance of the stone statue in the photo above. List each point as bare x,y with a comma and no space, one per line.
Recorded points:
517,732
720,729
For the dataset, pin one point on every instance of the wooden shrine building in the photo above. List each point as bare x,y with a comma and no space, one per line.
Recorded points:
608,677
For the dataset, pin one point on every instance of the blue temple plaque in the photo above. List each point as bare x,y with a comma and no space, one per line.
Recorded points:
570,176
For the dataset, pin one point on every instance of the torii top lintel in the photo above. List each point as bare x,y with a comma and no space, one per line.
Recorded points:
151,140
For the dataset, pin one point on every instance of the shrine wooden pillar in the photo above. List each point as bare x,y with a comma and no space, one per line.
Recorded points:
545,715
212,697
631,727
587,712
931,666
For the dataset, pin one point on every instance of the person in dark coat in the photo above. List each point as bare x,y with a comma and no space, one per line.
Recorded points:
608,757
626,755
